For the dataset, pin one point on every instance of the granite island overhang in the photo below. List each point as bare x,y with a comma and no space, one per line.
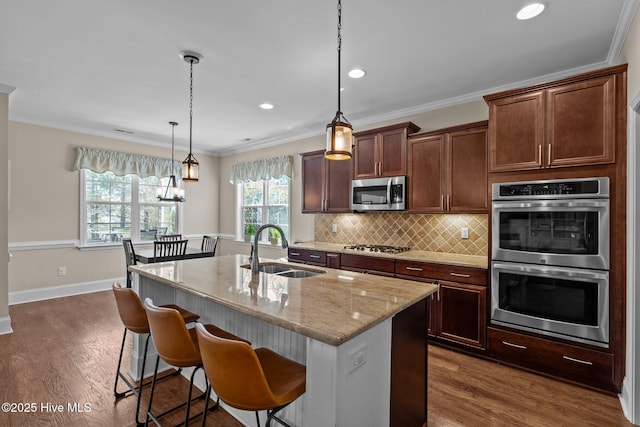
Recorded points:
362,337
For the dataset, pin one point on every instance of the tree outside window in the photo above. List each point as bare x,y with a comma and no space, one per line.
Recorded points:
264,202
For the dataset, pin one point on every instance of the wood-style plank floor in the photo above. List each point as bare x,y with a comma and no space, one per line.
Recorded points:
64,351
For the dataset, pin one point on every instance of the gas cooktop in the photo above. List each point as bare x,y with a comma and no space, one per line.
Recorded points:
378,248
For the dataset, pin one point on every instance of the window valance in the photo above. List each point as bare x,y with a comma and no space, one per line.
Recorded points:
262,170
100,161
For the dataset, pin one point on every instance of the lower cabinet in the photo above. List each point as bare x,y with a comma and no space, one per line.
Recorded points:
368,264
307,256
459,308
587,366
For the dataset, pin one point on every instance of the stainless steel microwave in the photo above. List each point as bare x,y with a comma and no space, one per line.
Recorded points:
379,194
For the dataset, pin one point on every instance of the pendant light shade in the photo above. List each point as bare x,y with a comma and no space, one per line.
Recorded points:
172,193
338,139
190,166
339,131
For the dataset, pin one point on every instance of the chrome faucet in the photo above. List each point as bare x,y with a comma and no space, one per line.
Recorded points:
253,258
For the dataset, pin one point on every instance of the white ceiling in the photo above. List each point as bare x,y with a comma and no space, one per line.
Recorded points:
95,66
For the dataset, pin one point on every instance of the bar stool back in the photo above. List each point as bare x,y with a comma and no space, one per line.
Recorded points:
177,346
134,319
248,379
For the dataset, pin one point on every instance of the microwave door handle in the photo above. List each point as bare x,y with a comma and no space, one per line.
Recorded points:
389,192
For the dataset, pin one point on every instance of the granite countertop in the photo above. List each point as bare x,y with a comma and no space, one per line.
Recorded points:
475,261
332,307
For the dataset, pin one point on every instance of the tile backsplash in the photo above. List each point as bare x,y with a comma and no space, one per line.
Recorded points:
424,232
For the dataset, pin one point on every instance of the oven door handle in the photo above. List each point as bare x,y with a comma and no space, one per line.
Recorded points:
579,204
551,271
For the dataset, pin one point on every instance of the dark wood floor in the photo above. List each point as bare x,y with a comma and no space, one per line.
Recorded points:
64,351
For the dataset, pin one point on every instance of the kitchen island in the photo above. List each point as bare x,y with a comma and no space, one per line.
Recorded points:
361,337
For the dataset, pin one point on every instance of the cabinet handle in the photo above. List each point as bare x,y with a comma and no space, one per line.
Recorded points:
314,256
448,202
584,362
294,253
414,268
442,203
549,154
460,275
540,155
438,292
510,344
332,255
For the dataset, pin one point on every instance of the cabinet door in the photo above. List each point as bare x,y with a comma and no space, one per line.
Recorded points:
426,174
393,152
461,316
581,123
313,178
365,157
467,171
516,132
338,186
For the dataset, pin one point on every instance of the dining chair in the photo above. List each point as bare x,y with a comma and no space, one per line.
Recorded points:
130,258
177,346
169,237
248,379
134,319
170,248
209,244
161,231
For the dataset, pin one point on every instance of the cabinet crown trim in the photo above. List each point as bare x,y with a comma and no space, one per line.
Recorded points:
411,128
585,76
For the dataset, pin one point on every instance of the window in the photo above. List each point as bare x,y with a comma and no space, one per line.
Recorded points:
116,207
263,202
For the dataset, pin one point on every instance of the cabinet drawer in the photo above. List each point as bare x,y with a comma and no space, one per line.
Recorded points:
587,366
308,256
367,263
474,276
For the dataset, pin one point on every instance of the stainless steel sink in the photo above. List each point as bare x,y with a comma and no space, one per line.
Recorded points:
286,270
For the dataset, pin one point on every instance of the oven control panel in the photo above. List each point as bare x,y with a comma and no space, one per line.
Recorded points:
589,187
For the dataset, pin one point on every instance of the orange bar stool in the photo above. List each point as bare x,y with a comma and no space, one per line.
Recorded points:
248,379
177,346
135,320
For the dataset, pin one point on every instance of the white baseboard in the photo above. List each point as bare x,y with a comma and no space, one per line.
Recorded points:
5,325
39,294
626,399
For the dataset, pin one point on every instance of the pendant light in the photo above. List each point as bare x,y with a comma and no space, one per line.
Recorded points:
172,192
339,130
190,166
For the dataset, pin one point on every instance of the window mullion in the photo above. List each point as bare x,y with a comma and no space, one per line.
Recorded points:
135,208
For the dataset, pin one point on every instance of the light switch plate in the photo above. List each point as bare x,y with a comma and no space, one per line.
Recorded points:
464,232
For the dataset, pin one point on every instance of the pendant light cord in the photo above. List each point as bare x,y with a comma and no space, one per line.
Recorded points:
191,105
339,48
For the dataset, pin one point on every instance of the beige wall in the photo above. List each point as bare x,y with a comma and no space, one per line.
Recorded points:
302,225
44,206
4,144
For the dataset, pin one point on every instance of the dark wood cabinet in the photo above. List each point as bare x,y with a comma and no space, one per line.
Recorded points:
583,365
308,256
325,184
458,309
448,170
382,152
571,122
368,264
333,260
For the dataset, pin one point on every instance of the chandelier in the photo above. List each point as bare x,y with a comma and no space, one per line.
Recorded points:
172,193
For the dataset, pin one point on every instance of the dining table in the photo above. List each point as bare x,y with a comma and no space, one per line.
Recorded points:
146,256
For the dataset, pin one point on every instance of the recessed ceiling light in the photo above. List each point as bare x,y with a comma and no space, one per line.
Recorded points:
266,106
357,73
530,11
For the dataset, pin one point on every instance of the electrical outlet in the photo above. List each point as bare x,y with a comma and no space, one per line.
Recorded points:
464,233
334,228
62,271
357,358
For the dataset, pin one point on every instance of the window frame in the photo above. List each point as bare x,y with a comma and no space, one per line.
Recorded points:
240,206
135,212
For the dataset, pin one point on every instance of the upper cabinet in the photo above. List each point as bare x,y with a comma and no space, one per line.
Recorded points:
325,184
382,152
448,170
571,122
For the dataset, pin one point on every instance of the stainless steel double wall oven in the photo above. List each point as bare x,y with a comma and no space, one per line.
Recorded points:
550,258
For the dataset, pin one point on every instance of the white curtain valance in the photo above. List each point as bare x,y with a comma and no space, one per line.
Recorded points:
262,170
100,161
